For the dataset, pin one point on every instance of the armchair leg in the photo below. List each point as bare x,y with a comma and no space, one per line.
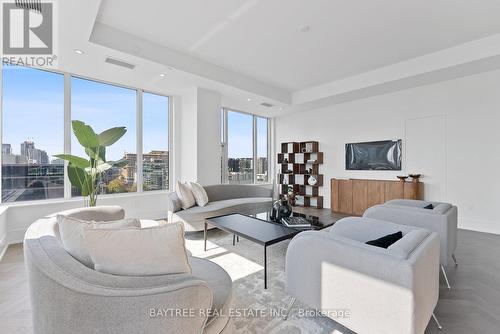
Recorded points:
454,259
437,322
287,311
446,277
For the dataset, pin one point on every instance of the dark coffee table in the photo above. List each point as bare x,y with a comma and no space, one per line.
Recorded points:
261,230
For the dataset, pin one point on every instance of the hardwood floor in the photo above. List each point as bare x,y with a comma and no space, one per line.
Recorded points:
472,306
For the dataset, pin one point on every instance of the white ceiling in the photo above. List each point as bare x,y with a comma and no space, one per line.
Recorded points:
260,39
252,51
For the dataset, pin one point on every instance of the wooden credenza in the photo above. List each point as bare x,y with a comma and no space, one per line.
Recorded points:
354,196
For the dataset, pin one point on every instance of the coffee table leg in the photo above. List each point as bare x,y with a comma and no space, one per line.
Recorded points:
233,238
265,267
205,236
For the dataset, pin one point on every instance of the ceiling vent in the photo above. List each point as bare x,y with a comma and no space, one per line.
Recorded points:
119,62
267,105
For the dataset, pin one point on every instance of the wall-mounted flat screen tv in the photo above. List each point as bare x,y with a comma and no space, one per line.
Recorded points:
375,155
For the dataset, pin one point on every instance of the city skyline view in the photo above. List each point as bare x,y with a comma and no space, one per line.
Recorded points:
33,132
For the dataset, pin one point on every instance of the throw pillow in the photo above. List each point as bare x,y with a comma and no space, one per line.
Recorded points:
139,251
71,232
185,195
430,206
386,241
199,193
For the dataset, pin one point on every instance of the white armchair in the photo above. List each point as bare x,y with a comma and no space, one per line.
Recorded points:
442,219
392,290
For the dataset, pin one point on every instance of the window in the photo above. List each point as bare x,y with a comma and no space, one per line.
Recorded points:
245,150
104,106
240,147
155,142
262,151
33,124
33,131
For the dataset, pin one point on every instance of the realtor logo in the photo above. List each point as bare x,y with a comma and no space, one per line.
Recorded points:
29,31
28,28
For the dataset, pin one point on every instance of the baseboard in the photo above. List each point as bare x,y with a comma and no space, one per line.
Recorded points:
479,225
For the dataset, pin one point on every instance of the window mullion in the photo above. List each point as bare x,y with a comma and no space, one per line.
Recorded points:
67,132
254,142
139,132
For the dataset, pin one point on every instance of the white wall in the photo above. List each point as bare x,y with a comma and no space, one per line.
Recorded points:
450,133
200,149
209,141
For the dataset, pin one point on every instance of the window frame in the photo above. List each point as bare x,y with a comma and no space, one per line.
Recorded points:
224,145
67,132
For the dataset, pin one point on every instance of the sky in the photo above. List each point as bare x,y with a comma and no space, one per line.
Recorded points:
239,135
33,108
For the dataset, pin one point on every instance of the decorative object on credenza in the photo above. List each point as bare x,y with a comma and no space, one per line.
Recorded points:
312,180
415,177
402,178
281,209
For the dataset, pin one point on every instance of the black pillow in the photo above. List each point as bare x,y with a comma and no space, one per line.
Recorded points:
386,241
430,206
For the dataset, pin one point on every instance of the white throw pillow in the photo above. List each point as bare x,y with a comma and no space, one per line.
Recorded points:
199,193
185,195
139,251
71,232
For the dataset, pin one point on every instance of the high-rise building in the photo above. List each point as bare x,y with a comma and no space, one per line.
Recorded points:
6,149
154,166
26,146
34,155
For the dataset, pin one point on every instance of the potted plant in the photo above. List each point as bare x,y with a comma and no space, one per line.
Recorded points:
85,174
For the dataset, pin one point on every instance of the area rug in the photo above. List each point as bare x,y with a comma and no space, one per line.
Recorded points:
258,309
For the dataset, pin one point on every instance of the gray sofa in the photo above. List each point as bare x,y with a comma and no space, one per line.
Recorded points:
223,199
386,291
67,297
442,219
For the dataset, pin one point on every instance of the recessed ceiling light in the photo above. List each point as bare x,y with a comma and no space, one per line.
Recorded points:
304,28
280,108
163,75
249,99
79,52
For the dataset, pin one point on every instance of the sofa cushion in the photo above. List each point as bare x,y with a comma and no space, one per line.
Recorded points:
217,208
72,238
149,251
